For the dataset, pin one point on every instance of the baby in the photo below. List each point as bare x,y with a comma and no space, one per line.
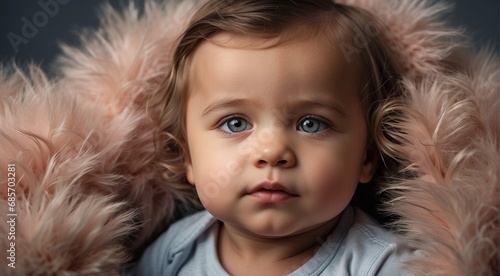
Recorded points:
269,111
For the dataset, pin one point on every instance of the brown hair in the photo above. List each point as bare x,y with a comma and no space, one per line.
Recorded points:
354,31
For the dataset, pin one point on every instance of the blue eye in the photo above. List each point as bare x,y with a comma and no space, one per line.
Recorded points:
234,125
312,125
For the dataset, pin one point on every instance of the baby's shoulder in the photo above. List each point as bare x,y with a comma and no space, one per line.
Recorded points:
373,233
185,231
191,224
374,249
172,247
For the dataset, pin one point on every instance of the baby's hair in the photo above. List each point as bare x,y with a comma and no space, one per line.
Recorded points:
353,31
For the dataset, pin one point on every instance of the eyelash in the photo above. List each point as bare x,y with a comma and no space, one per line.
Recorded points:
325,122
328,126
227,119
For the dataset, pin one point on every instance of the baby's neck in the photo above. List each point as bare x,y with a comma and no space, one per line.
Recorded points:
242,253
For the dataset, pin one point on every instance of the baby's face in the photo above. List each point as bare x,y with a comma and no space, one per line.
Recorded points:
276,136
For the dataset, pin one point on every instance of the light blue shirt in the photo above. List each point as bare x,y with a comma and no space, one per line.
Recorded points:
357,246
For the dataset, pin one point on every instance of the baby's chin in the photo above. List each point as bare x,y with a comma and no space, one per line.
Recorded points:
273,228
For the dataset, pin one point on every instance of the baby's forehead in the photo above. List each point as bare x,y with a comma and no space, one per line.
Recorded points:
229,63
328,56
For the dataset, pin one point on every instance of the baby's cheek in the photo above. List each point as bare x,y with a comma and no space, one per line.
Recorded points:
333,186
215,182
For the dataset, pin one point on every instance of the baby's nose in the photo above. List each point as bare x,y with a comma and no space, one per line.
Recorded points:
275,151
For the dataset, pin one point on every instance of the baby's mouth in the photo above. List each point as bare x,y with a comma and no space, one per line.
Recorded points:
271,192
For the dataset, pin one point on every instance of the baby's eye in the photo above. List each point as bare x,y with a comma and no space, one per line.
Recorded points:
312,124
234,125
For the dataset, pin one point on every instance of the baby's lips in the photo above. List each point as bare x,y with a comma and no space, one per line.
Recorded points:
272,186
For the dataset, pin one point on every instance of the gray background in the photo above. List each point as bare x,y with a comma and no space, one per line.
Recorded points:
479,17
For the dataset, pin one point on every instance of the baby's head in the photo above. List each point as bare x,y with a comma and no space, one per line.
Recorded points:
269,110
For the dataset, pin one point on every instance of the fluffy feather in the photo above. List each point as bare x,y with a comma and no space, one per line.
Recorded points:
448,138
84,144
53,141
119,67
416,33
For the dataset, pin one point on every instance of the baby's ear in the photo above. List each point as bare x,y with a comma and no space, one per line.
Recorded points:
187,162
370,163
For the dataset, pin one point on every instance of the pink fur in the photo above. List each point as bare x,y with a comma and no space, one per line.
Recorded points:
449,139
420,40
88,195
54,140
119,67
88,198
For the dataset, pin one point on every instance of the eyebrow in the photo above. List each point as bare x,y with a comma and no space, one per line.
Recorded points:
225,103
319,103
300,104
